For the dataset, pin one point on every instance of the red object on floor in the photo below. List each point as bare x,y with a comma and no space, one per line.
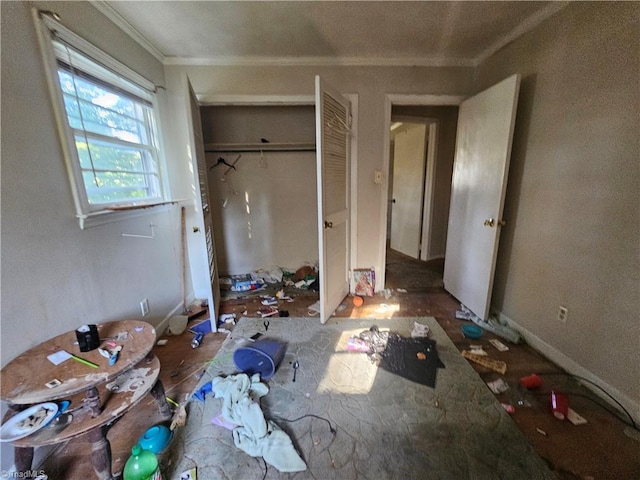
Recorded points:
531,382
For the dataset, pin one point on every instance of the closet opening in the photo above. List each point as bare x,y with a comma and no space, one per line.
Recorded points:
261,167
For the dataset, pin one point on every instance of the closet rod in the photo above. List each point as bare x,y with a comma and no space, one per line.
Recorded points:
259,147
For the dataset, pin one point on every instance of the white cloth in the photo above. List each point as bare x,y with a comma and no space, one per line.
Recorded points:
255,435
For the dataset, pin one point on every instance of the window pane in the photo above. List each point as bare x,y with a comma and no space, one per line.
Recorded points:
103,111
110,187
106,156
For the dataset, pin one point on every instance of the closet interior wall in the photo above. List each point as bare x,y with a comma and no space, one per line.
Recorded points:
265,208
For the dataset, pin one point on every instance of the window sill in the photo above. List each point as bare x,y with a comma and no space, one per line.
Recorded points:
118,214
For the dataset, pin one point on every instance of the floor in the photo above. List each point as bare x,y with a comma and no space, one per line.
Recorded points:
604,448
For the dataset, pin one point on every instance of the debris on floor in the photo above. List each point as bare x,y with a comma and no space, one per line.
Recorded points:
498,386
190,474
364,281
255,435
501,347
420,330
403,356
492,324
531,382
497,365
575,418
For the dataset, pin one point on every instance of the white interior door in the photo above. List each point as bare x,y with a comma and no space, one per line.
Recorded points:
408,183
203,184
332,153
481,167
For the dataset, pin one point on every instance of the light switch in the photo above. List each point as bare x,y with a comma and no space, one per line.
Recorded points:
377,177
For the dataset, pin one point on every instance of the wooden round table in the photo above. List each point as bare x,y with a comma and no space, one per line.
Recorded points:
99,396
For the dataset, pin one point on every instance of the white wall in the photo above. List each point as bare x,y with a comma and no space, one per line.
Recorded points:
55,276
572,236
370,83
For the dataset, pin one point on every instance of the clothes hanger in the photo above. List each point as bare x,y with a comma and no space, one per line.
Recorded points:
222,161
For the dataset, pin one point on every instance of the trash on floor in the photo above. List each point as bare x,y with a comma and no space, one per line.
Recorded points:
255,435
471,331
492,324
364,281
499,345
357,301
498,386
156,438
531,382
420,330
177,324
202,327
314,309
463,314
497,365
356,344
509,408
261,357
190,474
559,405
197,340
241,283
269,301
477,350
399,355
179,418
267,311
268,275
227,318
575,418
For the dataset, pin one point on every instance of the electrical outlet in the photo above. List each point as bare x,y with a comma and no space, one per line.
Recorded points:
144,307
563,313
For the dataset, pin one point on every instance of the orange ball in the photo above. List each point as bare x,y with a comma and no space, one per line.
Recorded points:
358,301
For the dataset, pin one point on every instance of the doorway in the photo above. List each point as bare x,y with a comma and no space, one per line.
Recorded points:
421,153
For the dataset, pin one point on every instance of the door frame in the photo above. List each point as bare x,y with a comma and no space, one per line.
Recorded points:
207,100
391,99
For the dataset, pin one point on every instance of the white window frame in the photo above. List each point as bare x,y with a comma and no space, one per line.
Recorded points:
91,214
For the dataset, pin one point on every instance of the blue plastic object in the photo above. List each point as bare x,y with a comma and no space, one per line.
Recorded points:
261,357
471,331
156,438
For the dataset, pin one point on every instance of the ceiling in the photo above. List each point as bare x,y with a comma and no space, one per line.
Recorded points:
347,32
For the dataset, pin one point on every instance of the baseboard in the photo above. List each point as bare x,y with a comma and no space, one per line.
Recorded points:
572,367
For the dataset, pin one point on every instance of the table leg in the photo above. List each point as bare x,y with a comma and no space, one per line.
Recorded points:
23,458
101,453
161,399
93,401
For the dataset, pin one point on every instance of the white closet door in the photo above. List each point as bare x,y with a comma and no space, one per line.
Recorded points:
203,184
332,147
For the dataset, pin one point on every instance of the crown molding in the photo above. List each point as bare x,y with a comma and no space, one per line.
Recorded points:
109,12
320,61
523,27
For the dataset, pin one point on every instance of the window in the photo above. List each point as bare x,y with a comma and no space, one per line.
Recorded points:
107,120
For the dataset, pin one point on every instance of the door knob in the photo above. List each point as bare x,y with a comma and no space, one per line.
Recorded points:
328,224
489,222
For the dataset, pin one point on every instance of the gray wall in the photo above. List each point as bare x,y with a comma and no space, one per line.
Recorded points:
55,276
573,193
